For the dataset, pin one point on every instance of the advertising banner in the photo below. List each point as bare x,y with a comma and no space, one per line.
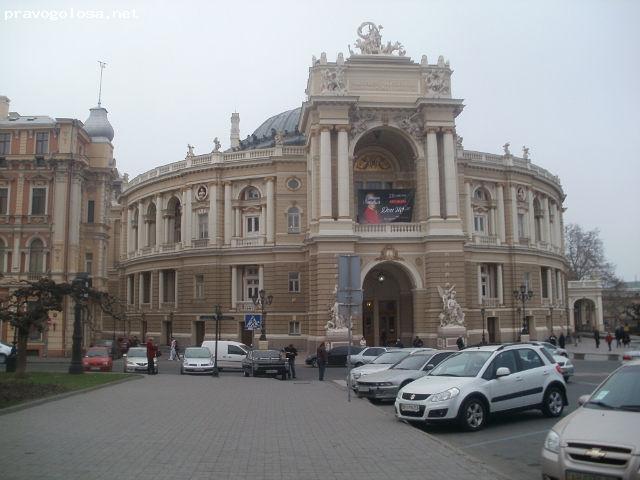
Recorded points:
385,206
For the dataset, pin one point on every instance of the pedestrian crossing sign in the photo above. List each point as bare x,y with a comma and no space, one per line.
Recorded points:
252,321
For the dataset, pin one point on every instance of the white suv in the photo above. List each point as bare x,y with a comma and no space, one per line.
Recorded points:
478,381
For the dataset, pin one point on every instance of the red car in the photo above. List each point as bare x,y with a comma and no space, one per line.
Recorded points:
98,358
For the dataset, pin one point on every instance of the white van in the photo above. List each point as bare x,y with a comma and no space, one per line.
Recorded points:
230,354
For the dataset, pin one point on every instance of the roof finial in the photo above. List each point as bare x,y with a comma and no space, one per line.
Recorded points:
102,65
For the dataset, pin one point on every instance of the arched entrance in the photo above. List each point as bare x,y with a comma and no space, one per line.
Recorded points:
387,309
584,315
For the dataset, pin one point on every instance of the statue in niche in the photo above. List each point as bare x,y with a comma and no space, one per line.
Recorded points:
333,81
452,313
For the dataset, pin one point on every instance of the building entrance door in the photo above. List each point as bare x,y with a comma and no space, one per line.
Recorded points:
492,324
199,327
387,321
246,336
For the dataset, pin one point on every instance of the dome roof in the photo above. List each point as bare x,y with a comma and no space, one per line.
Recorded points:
98,126
285,122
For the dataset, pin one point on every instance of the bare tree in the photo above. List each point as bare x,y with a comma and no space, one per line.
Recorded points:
585,253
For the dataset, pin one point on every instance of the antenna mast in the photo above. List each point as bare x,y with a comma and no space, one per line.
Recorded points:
102,65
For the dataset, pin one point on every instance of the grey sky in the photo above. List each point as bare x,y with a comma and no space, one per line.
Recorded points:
558,76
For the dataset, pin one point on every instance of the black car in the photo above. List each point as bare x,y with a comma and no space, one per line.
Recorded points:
264,362
337,356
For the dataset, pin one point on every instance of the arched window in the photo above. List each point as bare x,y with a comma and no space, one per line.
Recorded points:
293,220
537,212
151,225
174,220
251,193
3,256
36,256
134,229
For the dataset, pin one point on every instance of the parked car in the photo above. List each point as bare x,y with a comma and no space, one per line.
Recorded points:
135,360
5,350
600,439
97,358
630,356
197,360
562,359
366,355
263,362
108,344
337,356
383,362
555,349
230,353
384,385
481,381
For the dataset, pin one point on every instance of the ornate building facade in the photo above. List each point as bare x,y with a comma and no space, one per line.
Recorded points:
370,164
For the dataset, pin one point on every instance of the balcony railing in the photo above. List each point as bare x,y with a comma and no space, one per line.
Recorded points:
168,247
200,242
388,229
486,239
248,242
488,302
245,306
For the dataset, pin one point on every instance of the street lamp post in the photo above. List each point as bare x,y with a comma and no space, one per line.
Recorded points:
217,314
80,284
261,299
523,295
551,317
483,312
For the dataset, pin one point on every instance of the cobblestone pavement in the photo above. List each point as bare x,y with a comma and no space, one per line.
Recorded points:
192,428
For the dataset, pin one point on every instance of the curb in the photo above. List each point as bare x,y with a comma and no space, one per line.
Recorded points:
611,357
60,396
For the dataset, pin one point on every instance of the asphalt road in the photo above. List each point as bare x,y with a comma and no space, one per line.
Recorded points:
510,443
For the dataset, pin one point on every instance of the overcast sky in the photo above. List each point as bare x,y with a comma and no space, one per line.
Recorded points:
561,77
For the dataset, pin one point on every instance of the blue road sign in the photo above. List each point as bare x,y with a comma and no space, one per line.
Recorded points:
252,321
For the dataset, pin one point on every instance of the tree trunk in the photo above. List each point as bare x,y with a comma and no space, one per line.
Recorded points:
21,364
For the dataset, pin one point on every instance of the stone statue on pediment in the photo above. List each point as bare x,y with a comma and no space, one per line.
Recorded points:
370,41
505,147
216,144
525,152
190,150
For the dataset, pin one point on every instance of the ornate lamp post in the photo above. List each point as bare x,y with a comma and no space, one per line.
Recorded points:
217,314
523,295
483,312
80,285
261,299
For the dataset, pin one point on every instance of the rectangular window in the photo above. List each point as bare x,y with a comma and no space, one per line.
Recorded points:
484,281
5,143
203,225
294,282
42,143
521,225
88,263
91,206
4,201
294,328
479,223
293,221
145,278
169,286
38,201
526,280
199,286
251,282
545,285
253,225
130,289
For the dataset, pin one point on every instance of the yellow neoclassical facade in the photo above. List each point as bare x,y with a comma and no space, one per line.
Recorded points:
370,164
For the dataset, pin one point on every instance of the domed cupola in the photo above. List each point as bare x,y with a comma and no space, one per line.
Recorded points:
98,126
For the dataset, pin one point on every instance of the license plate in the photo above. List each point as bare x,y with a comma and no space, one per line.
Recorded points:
271,371
95,368
573,475
363,389
409,407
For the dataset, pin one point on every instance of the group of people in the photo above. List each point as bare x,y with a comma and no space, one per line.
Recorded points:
560,341
621,336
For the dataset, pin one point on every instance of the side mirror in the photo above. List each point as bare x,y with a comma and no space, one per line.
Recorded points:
583,399
430,366
502,372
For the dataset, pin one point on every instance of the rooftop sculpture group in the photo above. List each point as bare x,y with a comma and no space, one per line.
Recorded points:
370,42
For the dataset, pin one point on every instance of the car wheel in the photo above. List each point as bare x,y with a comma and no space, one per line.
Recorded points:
3,358
473,414
245,372
553,402
314,363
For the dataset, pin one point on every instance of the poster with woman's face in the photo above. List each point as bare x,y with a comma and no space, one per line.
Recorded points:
385,206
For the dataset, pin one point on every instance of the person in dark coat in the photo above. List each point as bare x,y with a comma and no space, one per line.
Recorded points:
151,355
322,357
291,353
553,339
417,342
561,340
596,337
460,343
399,344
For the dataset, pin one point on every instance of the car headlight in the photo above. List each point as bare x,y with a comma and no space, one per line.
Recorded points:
356,375
384,384
552,442
446,395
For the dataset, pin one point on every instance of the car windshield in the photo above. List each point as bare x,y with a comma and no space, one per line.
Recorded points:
390,357
412,362
463,364
621,391
266,354
197,352
137,352
98,352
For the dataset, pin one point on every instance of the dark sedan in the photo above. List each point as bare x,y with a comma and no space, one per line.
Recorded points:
337,356
264,362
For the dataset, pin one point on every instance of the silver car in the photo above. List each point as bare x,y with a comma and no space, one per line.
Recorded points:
385,385
383,362
600,439
197,360
367,355
136,360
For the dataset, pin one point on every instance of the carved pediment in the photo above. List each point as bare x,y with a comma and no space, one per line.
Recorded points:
389,253
372,162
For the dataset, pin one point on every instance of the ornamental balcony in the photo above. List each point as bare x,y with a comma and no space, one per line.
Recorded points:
491,240
248,241
391,230
245,306
489,302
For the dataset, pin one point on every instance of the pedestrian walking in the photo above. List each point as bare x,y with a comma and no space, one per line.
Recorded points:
553,339
618,333
177,352
626,340
135,342
460,343
151,355
562,340
609,339
596,337
417,342
363,342
291,353
321,358
399,344
172,353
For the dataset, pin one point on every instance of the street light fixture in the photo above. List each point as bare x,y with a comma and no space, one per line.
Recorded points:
261,299
523,295
483,312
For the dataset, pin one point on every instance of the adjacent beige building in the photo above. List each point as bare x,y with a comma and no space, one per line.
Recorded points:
275,210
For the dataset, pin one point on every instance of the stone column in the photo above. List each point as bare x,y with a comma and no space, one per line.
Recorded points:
502,234
450,175
125,230
175,289
559,286
183,218
160,288
261,277
546,224
325,173
140,285
312,187
499,284
433,175
213,214
159,230
271,210
343,173
263,214
16,255
189,215
228,219
469,208
549,286
140,226
514,217
237,223
532,218
479,279
234,286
